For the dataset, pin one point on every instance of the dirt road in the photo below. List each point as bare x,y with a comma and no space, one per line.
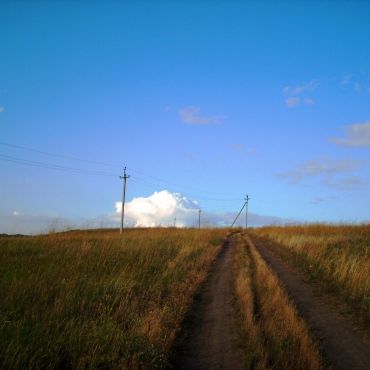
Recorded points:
340,345
209,338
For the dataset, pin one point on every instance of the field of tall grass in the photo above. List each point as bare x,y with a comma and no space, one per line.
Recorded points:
89,300
336,257
275,336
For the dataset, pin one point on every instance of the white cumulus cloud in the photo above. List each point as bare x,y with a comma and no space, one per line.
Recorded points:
160,209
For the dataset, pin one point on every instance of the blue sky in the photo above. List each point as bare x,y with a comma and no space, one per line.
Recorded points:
214,99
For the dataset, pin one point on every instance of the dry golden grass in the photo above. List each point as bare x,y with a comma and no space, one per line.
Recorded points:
88,300
275,335
338,257
255,353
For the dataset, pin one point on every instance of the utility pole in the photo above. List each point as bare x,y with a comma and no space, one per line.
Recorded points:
199,212
124,177
246,210
246,199
174,222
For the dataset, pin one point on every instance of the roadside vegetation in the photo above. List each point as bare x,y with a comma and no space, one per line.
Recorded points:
275,336
88,300
335,257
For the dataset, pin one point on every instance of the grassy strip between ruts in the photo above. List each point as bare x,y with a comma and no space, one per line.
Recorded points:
88,300
336,257
275,336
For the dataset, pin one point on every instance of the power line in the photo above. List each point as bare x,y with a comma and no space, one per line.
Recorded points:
158,180
150,184
75,170
52,166
63,156
153,178
81,171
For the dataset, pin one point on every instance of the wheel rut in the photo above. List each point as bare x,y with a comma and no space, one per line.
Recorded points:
339,344
209,338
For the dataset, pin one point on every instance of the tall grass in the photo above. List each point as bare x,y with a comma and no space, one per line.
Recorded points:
276,337
338,257
89,300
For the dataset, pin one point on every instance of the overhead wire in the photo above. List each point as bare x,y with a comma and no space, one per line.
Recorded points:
149,184
154,181
73,158
52,166
166,182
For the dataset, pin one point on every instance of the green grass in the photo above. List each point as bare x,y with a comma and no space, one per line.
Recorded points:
89,300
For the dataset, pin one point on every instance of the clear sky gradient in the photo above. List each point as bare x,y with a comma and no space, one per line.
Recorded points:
211,99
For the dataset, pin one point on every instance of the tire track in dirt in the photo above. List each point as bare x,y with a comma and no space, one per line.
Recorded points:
209,338
339,344
255,300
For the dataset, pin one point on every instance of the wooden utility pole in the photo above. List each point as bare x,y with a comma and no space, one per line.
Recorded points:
199,212
246,210
124,177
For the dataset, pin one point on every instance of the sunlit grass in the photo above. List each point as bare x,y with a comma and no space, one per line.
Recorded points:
275,336
96,299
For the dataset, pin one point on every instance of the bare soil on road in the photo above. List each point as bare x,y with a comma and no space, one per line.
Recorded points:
339,344
210,335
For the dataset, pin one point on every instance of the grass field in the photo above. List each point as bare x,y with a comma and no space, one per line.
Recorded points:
88,300
99,300
335,257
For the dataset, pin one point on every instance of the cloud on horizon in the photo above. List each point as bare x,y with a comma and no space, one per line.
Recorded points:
158,209
21,223
192,115
356,135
